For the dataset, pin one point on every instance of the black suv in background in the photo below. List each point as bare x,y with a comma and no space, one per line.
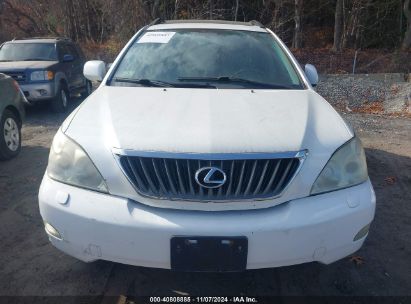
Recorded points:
46,69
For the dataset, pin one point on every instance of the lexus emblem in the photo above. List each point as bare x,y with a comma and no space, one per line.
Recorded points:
210,177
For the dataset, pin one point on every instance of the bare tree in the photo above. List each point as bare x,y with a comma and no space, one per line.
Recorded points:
354,23
357,23
338,26
175,9
16,15
154,9
298,39
237,4
406,43
277,22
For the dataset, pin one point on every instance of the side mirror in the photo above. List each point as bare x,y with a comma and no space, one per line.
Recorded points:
311,73
94,70
68,58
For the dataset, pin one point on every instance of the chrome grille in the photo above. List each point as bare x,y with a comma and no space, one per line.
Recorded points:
249,176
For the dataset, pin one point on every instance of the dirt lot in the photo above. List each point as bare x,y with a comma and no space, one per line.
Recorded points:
29,265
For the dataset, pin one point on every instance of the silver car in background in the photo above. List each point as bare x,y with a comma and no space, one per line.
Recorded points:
11,117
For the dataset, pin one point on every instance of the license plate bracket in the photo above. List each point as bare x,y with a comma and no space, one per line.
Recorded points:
204,253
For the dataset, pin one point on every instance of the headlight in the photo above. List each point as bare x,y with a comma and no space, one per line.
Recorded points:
347,167
41,75
68,163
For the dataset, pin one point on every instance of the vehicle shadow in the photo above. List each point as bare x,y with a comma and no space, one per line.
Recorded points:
41,113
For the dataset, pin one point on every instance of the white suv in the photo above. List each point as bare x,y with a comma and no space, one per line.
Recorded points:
205,148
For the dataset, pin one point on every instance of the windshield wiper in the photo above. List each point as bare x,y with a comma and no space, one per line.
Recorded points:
227,79
160,83
145,82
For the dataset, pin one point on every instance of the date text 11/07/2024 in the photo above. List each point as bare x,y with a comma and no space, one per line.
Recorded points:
188,299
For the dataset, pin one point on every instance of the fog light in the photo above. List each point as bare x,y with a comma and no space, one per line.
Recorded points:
52,231
363,232
43,92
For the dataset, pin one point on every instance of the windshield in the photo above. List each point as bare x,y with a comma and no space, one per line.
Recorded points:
218,58
28,52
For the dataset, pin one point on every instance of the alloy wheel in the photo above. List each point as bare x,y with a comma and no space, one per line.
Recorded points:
11,134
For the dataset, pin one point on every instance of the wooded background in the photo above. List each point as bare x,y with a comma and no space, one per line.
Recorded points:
329,33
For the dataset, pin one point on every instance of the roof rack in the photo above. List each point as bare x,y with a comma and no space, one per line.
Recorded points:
156,21
250,23
56,38
256,23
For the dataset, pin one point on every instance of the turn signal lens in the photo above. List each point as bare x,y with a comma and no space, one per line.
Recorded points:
50,75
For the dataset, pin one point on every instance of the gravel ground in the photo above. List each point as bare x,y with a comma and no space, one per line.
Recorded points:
386,93
29,265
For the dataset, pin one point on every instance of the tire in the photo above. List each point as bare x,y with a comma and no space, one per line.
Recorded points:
88,89
60,102
10,135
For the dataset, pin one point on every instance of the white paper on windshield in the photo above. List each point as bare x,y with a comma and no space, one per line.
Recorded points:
156,37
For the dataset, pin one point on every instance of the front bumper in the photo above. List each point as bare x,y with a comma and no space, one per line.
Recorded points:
38,91
99,226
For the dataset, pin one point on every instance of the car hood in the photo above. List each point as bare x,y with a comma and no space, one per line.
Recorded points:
22,65
208,120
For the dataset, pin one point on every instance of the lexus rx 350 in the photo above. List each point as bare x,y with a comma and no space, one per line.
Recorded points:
206,148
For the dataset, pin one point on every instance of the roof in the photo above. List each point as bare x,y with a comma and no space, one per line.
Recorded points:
40,40
254,26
